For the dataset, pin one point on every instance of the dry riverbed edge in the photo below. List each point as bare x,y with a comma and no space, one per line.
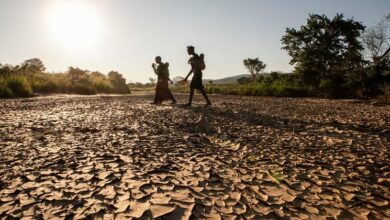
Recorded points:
243,158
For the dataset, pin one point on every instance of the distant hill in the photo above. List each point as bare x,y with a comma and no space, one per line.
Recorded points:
233,79
226,80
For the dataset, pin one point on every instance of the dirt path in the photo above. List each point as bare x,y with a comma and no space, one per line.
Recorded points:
243,158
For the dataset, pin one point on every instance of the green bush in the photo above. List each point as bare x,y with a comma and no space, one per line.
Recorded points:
24,79
83,89
44,86
277,88
102,86
5,92
124,89
328,88
19,86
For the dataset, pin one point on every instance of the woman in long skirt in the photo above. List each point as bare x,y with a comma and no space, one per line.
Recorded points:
162,89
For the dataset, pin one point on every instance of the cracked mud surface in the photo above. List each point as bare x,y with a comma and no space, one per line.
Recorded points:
76,157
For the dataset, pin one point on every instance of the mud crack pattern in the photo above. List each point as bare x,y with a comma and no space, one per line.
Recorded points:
117,157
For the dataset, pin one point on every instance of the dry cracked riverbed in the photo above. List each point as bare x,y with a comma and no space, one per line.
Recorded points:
75,157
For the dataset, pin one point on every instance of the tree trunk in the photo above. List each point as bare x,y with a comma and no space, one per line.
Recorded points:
384,54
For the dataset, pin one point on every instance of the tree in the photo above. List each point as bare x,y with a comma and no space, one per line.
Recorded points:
152,81
77,75
35,65
5,71
100,82
31,68
324,48
376,40
377,43
116,77
80,81
255,66
95,76
118,82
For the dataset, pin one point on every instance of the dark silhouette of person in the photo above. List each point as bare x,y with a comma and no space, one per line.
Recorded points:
162,89
197,64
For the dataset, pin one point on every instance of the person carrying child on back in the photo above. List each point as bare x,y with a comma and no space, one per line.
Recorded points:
197,65
162,88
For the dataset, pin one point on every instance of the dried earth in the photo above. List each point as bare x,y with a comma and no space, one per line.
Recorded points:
77,157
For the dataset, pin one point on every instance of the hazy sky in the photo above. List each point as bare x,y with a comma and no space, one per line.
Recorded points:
126,35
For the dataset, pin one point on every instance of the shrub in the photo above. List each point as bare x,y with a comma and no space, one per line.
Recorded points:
5,92
328,88
19,86
277,88
102,86
295,92
44,86
385,97
83,89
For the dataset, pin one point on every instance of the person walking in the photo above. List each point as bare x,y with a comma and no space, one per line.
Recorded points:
197,65
162,89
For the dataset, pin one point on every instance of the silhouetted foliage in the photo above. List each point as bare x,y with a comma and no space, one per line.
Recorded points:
30,77
19,86
328,56
377,43
118,82
34,65
376,39
325,49
267,84
243,80
152,81
276,88
255,66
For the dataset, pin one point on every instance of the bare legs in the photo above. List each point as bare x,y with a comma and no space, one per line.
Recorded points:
205,96
203,91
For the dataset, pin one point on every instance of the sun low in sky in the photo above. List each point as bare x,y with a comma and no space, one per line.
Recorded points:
74,24
126,35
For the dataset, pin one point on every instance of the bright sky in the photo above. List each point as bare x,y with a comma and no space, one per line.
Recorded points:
126,35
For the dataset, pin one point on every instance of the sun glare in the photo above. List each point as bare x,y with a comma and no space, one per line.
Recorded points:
74,24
